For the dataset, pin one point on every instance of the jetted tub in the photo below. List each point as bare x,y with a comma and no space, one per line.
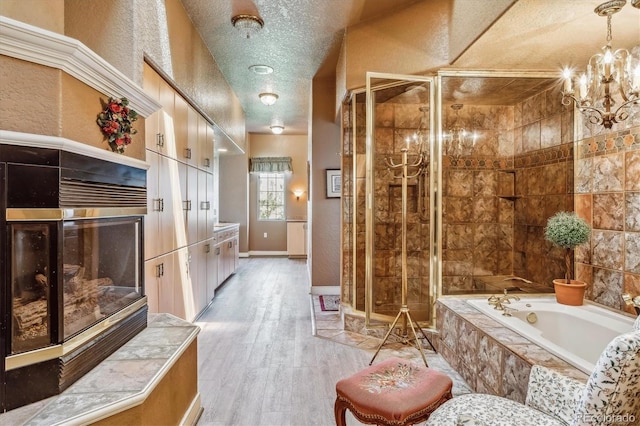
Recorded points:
576,334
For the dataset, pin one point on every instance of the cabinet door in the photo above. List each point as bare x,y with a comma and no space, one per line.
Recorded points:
219,259
211,216
211,279
151,87
204,205
165,272
183,299
193,211
170,203
151,286
206,150
296,238
151,220
166,119
192,135
181,123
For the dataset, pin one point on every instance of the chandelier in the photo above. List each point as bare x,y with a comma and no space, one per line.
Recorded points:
457,139
608,90
248,25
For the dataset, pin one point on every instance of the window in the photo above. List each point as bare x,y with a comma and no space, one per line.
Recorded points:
271,196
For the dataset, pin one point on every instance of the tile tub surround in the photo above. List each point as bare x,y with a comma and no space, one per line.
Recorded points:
158,359
490,357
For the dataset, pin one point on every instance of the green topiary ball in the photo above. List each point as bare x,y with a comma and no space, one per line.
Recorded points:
566,229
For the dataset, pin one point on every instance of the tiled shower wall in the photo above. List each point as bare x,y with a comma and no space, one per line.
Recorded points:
608,197
497,200
395,122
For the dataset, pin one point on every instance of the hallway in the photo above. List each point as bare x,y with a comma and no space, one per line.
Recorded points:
258,361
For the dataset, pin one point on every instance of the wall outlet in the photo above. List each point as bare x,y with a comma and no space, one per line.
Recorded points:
265,235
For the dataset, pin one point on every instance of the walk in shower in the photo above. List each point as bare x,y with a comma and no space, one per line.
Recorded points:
498,161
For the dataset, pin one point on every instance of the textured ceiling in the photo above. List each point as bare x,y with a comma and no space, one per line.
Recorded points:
301,38
297,38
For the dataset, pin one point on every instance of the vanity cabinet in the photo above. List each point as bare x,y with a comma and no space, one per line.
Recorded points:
226,251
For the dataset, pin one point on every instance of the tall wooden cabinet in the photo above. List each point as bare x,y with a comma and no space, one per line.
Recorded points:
181,266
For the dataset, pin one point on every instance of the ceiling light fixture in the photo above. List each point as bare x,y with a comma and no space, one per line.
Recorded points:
612,78
261,69
276,129
268,98
248,25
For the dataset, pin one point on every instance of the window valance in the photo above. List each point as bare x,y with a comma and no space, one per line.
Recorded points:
270,165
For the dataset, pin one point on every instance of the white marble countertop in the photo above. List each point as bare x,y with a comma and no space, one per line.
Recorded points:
123,380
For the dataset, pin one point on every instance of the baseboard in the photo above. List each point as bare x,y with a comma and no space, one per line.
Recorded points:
193,413
243,254
267,253
325,289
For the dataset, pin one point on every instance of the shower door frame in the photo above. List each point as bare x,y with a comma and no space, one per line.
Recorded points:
434,287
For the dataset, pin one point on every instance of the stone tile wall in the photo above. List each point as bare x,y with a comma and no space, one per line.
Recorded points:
608,197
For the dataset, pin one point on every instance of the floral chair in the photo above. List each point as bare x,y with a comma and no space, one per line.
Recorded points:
610,396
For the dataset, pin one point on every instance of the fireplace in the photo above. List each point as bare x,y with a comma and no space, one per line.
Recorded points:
72,266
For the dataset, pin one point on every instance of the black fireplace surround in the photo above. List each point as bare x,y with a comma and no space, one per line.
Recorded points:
71,267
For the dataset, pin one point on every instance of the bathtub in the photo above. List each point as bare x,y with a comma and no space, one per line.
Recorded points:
576,334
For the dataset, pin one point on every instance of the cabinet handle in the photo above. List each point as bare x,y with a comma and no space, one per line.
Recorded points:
217,251
207,248
160,137
205,205
207,162
186,205
158,204
187,153
230,244
159,270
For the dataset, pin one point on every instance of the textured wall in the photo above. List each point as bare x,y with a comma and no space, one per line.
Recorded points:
399,43
47,14
325,227
29,97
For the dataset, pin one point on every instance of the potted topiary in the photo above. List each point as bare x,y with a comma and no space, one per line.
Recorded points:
568,231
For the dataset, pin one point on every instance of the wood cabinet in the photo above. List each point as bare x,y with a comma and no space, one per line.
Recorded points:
181,267
226,251
297,239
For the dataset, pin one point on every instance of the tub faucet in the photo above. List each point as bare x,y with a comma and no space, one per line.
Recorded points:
508,297
629,301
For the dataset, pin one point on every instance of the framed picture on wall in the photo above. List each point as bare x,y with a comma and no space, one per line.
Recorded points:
334,183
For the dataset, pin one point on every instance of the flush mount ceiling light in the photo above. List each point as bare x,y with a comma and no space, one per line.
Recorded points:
612,78
248,25
261,69
268,98
277,129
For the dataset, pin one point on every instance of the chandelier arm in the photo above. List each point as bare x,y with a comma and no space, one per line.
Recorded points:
621,114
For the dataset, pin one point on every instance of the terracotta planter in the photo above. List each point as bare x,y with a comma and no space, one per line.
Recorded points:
569,294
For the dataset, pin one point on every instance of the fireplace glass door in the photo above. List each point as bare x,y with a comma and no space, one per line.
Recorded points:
31,274
101,270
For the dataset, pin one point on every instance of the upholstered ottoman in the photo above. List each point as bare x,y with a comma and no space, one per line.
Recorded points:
393,392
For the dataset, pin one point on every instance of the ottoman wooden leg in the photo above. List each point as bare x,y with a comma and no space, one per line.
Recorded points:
340,409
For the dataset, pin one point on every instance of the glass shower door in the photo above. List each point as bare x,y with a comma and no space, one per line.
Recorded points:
399,215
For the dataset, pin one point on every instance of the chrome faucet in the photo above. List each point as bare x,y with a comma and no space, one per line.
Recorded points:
629,301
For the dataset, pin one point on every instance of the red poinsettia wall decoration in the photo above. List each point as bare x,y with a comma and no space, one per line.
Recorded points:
115,121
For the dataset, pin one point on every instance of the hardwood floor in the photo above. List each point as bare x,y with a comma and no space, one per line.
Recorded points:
259,363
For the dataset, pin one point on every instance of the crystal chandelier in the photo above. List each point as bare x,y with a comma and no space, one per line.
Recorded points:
248,25
608,91
458,140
